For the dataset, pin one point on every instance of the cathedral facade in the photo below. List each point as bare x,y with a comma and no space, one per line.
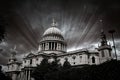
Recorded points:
53,46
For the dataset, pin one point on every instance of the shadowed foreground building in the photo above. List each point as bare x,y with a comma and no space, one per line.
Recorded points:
53,46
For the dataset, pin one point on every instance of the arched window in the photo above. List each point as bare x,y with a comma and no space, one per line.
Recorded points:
93,59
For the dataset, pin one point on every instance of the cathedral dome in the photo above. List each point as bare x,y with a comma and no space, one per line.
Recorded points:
53,33
52,30
53,41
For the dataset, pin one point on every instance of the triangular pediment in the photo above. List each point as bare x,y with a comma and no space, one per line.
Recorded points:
52,54
30,55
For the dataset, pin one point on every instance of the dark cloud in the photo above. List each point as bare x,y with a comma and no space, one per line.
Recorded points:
80,21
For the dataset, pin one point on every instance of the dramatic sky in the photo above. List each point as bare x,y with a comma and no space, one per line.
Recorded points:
79,20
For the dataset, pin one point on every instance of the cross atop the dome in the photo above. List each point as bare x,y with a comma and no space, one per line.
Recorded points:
54,24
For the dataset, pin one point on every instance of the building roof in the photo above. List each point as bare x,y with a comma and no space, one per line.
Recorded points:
52,30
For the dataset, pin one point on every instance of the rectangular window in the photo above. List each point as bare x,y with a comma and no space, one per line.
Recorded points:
102,52
80,58
30,61
36,59
109,53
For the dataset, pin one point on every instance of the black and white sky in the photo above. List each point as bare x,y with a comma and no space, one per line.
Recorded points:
79,20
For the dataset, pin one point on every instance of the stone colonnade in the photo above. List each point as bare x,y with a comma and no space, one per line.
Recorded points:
53,46
25,74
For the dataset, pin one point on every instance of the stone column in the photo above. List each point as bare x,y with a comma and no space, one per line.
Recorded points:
64,47
29,74
14,76
54,45
42,46
20,76
61,46
26,75
48,46
51,45
45,46
57,46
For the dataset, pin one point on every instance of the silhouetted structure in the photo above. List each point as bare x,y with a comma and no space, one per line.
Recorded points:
112,33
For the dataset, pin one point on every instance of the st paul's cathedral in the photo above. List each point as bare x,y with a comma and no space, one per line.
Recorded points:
53,46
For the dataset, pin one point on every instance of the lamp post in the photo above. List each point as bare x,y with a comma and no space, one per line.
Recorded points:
112,33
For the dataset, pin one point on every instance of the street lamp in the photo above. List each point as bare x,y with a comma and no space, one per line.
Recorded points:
112,33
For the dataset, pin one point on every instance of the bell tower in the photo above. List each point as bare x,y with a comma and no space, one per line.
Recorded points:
13,65
104,49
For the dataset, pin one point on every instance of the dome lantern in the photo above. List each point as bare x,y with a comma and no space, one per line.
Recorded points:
54,24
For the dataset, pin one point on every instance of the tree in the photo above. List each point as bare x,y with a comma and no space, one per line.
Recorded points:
66,64
3,76
45,69
105,71
55,66
41,70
